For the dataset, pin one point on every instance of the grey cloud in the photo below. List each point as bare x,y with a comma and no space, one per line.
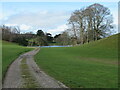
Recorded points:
41,19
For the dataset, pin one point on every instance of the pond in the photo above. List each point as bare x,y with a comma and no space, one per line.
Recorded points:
54,46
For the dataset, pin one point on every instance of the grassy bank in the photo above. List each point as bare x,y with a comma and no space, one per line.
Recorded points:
0,61
10,52
92,65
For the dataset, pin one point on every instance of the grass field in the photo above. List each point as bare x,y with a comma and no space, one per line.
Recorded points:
92,65
10,52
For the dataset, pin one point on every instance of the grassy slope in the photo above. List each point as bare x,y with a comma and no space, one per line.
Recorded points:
0,60
10,52
92,65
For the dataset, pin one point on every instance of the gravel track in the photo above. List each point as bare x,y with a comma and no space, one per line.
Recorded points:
13,77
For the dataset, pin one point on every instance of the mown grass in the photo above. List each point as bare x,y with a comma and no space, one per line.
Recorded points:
93,65
10,52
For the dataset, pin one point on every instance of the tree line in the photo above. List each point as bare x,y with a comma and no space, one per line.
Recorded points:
13,34
88,24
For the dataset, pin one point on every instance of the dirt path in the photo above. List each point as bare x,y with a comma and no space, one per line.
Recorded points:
24,73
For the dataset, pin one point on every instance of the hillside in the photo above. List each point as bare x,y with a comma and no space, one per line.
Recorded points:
89,65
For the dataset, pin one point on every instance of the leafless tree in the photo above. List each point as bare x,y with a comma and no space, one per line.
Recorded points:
64,38
94,22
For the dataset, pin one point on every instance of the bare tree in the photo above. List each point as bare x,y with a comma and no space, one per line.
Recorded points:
63,39
94,22
102,20
6,32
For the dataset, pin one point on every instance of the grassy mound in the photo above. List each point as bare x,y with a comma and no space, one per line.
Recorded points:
10,52
92,65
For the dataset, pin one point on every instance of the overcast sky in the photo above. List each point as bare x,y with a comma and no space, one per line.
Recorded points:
49,16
